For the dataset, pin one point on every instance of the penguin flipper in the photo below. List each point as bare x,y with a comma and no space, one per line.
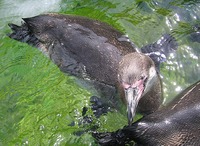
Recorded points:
161,49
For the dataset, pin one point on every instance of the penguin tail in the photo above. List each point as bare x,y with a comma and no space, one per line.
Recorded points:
23,34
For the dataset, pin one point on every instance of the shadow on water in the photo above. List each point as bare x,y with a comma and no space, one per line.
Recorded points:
38,102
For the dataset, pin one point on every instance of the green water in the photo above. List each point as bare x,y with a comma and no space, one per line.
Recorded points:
38,102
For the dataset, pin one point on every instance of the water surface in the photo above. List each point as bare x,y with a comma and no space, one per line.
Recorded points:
39,103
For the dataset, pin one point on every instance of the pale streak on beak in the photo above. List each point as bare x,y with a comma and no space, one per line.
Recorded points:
132,98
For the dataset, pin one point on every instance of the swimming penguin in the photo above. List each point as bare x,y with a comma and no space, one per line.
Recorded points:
91,49
177,124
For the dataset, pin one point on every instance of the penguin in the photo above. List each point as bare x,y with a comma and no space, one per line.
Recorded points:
94,50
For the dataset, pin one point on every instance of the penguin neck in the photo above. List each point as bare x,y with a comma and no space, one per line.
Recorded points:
152,99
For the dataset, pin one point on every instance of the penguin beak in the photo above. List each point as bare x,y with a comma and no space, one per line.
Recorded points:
132,102
132,95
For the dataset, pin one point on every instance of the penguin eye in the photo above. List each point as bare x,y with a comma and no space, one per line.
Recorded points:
142,77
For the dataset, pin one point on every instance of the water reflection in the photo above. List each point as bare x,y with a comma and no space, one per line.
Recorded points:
14,10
